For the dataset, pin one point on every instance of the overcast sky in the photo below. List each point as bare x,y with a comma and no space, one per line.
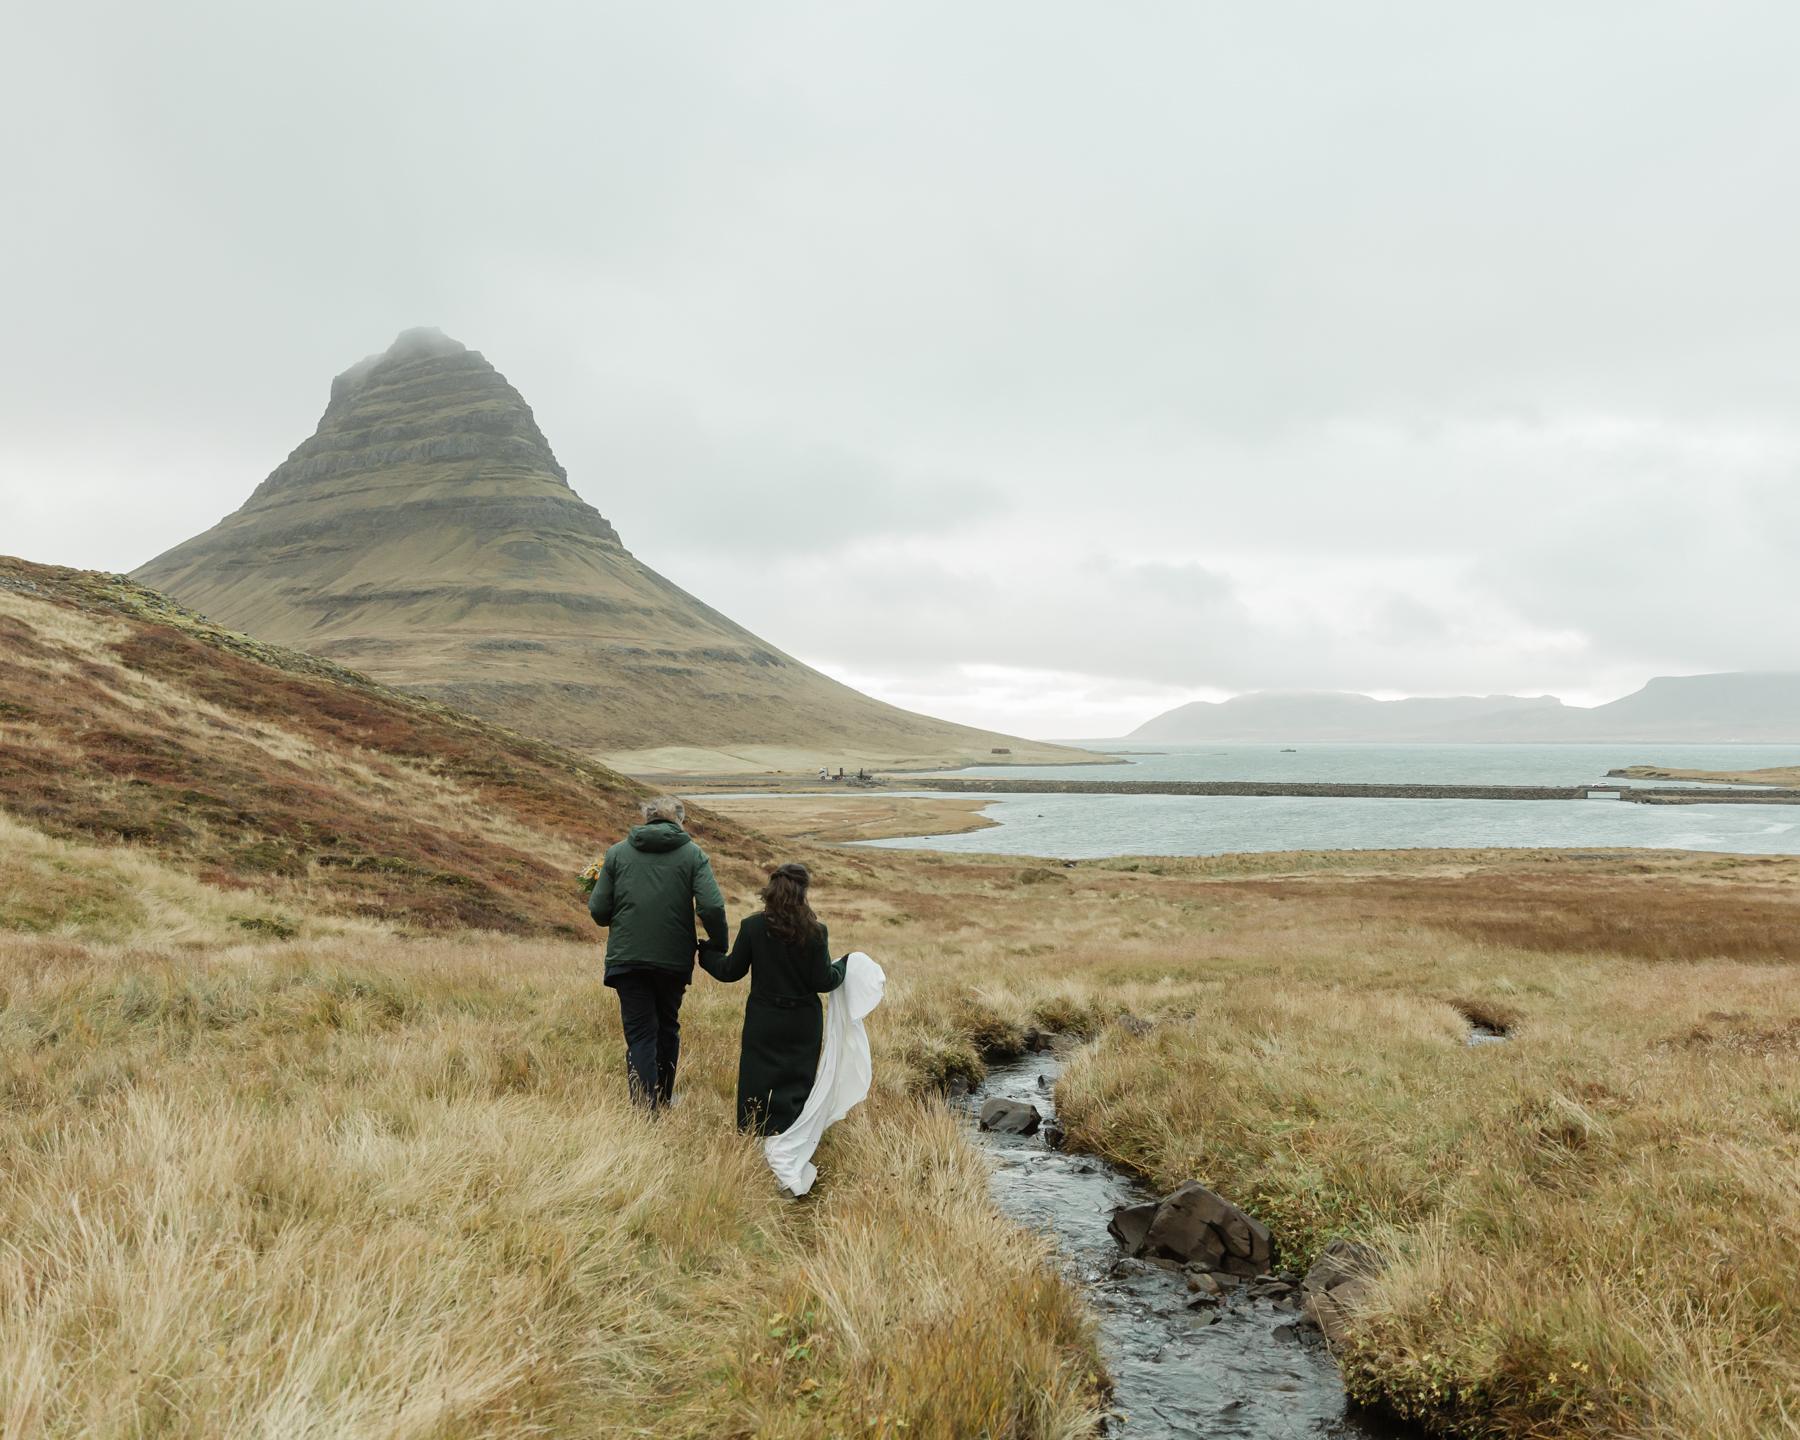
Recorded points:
1037,365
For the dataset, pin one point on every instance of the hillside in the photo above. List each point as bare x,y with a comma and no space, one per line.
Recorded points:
427,535
1761,707
124,718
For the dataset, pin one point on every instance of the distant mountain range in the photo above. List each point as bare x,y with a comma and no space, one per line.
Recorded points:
1748,706
426,535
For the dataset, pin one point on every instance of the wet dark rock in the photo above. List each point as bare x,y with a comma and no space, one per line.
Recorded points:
1192,1224
1055,1136
1010,1117
1130,1224
1287,1334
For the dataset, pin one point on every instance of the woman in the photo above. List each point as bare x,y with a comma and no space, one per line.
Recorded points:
786,954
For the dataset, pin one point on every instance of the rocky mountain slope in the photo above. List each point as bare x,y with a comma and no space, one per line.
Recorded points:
427,535
124,718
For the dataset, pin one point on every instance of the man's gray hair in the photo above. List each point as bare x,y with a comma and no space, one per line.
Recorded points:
663,807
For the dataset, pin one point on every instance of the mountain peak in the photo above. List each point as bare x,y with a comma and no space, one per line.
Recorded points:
420,343
426,534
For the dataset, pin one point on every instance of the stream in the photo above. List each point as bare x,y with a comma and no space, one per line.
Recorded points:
1239,1369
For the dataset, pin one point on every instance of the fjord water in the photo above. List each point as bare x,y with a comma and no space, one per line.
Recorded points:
1399,764
1084,827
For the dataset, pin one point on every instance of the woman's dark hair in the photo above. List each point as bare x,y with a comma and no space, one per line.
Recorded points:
790,918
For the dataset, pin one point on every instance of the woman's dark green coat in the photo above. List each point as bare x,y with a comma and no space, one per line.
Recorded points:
784,1024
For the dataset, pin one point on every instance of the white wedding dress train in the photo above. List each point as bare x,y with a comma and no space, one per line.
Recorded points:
845,1073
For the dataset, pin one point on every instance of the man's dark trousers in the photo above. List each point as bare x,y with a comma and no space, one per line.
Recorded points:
650,1006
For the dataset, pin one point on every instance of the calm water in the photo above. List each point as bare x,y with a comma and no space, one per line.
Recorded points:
1400,764
1081,827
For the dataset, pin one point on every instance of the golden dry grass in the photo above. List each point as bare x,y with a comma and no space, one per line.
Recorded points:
366,1187
358,1183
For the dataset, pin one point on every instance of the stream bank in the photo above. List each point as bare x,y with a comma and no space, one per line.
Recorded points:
1240,1368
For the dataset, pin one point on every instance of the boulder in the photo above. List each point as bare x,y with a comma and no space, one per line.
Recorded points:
1341,1262
1195,1224
1262,1243
1331,1309
1009,1117
1338,1285
1129,1225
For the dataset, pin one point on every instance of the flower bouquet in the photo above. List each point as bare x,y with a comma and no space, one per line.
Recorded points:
590,877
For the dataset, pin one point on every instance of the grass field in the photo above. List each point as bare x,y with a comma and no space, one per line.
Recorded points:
314,1117
367,1183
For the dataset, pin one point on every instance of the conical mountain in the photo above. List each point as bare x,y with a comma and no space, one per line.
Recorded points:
427,535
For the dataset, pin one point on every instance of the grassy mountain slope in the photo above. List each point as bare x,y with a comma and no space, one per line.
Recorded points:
125,718
427,534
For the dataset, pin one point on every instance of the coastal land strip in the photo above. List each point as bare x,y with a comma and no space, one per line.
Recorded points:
1785,776
842,819
985,785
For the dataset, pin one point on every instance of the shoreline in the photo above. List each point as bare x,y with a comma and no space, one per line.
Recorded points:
1329,790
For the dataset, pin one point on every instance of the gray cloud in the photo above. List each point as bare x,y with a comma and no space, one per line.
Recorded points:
1169,351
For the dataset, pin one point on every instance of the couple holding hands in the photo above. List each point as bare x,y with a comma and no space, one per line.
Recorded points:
648,891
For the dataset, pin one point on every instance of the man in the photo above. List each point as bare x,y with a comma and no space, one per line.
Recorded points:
651,886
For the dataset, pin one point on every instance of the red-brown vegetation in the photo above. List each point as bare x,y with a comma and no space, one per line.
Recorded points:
242,763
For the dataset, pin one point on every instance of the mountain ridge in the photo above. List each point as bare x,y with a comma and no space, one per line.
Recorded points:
1727,707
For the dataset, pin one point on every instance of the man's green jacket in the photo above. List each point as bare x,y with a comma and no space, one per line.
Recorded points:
651,886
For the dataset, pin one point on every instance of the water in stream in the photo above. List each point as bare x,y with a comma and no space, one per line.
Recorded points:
1176,1373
